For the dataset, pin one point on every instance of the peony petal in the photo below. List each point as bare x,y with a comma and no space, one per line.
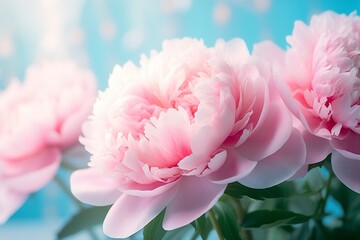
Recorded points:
10,201
237,46
269,51
234,168
285,92
314,124
202,165
91,187
273,133
287,95
317,149
47,162
300,173
129,214
167,139
194,164
279,166
195,197
68,133
215,163
71,128
25,144
348,147
347,170
159,188
214,118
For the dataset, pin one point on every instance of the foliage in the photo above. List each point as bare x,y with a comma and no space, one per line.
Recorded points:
300,209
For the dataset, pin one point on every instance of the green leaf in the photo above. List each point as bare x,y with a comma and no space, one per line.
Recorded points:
202,226
83,220
227,219
154,230
349,201
303,232
237,190
353,216
272,218
343,194
313,181
320,232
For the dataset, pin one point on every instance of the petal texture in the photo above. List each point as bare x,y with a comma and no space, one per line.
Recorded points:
279,166
47,162
347,170
129,213
194,198
90,186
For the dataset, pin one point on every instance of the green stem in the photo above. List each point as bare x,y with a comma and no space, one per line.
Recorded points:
246,234
327,191
320,209
63,186
215,223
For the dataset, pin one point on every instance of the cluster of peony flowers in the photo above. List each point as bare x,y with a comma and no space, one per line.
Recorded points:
40,121
173,132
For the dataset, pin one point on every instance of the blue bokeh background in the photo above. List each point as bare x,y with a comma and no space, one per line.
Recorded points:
99,34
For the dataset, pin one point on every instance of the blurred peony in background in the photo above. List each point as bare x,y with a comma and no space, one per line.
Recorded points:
99,34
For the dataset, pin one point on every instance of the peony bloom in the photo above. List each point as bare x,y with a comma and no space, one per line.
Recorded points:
322,88
40,119
175,131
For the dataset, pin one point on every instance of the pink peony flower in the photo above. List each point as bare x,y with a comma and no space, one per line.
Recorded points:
323,89
40,119
175,131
